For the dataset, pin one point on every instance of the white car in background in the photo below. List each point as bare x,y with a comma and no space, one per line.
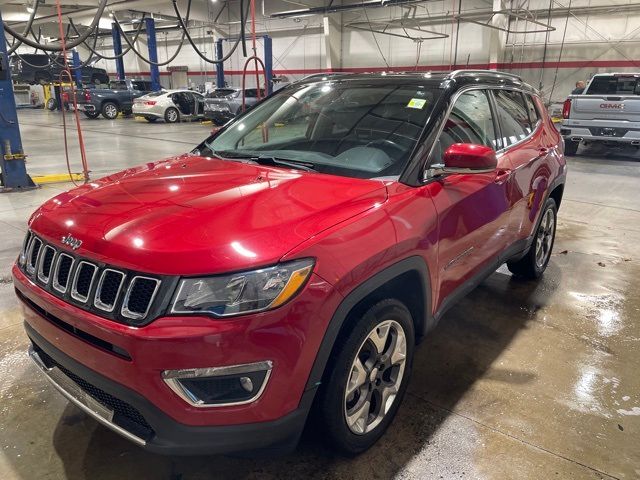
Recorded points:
171,105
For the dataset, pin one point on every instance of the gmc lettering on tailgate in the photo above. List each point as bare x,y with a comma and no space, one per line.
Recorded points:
612,106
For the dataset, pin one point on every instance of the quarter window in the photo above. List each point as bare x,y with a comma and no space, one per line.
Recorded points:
513,116
470,121
534,116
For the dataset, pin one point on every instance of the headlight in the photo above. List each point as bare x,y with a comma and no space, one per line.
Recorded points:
244,292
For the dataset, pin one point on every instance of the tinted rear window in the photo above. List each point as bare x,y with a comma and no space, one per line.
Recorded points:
513,116
614,85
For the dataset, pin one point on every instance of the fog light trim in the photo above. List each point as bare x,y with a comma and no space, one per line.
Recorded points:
172,379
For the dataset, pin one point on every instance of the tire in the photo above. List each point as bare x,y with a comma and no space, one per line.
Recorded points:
535,261
339,413
171,115
570,147
52,104
91,115
150,119
110,111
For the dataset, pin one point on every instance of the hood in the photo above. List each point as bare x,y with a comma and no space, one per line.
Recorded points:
193,215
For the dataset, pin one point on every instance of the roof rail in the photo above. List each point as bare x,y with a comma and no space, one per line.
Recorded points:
457,73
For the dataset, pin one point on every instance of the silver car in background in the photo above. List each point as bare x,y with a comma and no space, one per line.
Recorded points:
171,105
223,104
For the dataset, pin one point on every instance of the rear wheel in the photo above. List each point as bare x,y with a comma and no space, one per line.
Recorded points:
110,111
534,263
368,378
91,114
570,147
171,115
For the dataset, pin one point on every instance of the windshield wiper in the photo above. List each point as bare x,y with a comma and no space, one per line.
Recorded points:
274,161
268,160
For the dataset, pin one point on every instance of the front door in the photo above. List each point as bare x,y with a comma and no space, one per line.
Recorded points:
473,210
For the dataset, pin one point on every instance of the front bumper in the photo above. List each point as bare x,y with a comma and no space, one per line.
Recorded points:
127,363
134,417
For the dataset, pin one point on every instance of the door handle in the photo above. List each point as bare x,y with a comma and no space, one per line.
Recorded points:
502,175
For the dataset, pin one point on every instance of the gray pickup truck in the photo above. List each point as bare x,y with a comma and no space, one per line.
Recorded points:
608,111
113,100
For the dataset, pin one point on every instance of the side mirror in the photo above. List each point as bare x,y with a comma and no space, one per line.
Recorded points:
466,158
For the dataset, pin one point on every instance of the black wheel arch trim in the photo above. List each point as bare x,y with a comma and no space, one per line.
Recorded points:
410,264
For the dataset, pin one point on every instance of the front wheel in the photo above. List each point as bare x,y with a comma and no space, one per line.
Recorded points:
535,261
368,378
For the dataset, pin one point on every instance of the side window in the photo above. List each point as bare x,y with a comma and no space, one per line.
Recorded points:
470,121
534,116
513,116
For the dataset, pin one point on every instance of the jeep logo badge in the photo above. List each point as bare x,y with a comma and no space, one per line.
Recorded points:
74,243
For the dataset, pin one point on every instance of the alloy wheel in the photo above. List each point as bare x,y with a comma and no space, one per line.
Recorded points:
375,377
544,238
172,115
111,111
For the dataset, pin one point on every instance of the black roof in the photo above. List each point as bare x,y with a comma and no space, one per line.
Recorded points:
453,78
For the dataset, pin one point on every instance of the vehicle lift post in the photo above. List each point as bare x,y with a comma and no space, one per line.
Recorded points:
150,26
117,49
12,161
77,70
268,61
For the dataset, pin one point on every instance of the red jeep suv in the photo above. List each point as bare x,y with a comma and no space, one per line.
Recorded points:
288,265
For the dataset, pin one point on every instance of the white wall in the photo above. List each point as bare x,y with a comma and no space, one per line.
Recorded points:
299,45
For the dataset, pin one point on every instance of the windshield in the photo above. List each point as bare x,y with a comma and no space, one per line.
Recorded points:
341,128
614,84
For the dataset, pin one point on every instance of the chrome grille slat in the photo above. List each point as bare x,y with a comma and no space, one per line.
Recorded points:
98,299
136,314
32,256
25,246
88,285
57,285
44,270
80,270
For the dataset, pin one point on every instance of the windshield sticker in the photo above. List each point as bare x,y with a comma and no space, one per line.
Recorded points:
418,103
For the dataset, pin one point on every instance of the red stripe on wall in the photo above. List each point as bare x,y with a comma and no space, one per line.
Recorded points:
427,68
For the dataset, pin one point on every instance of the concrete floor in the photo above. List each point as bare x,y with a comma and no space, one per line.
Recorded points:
520,380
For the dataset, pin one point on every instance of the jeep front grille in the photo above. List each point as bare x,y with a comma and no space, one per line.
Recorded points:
117,294
108,289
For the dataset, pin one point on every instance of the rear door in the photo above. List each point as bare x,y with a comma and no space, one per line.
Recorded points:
473,209
527,149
